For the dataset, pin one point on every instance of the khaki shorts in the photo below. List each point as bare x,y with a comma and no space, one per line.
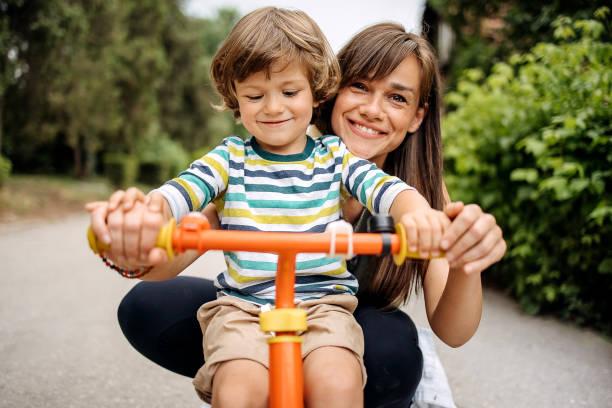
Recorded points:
231,332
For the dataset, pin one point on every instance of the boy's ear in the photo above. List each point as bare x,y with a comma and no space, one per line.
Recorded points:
418,118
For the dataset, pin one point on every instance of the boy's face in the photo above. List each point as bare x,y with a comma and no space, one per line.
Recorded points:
277,110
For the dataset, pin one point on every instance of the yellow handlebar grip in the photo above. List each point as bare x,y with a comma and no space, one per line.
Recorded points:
96,246
164,240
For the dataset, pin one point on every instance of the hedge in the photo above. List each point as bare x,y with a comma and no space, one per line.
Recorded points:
5,169
532,143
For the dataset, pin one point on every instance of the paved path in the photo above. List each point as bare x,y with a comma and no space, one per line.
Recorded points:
60,345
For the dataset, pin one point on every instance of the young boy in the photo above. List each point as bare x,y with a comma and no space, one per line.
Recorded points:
273,69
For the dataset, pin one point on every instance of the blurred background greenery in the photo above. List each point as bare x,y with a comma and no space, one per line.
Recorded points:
116,90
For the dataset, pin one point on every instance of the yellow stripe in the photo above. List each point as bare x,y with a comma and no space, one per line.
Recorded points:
195,201
236,276
218,167
235,151
280,219
334,272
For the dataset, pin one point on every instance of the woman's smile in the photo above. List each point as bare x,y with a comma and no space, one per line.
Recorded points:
365,130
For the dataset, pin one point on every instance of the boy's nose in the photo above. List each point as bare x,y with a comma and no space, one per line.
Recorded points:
273,105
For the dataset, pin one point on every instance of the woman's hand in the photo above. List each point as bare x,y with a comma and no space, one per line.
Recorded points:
130,223
474,241
99,210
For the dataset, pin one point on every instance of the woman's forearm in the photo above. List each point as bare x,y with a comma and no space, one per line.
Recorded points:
454,303
170,269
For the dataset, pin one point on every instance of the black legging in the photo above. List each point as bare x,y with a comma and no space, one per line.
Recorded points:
159,320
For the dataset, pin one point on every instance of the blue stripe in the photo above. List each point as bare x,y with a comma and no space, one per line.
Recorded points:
308,282
376,204
266,188
207,189
202,167
183,192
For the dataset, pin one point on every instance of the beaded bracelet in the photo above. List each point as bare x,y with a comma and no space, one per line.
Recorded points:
130,274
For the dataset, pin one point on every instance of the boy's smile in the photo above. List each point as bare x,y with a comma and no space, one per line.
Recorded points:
276,107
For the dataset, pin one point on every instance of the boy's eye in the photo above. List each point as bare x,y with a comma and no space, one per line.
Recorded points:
360,86
290,93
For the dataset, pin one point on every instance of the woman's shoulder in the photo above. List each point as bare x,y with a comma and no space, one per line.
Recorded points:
331,143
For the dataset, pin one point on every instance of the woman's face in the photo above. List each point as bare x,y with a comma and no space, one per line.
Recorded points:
373,117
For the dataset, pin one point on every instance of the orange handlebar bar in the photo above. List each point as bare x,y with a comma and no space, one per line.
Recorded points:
194,233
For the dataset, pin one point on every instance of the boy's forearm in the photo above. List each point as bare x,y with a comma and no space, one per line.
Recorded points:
407,201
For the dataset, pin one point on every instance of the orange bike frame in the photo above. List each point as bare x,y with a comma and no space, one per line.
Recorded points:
194,233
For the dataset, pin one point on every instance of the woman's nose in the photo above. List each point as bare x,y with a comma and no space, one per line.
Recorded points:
372,108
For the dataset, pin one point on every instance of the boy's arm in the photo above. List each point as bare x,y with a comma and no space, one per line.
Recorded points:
204,180
424,226
408,201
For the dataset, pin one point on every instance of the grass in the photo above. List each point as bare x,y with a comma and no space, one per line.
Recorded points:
31,197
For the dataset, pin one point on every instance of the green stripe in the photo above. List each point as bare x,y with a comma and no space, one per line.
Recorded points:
241,197
271,266
223,153
202,186
366,185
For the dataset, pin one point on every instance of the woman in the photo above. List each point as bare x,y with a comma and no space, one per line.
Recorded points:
387,110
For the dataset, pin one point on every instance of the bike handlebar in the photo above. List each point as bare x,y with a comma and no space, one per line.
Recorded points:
194,233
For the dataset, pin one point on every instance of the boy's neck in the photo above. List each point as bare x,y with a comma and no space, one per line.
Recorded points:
279,153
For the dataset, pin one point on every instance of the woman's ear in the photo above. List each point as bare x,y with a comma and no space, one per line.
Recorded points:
418,118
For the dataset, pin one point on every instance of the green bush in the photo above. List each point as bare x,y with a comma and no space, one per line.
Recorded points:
161,159
533,144
5,169
121,169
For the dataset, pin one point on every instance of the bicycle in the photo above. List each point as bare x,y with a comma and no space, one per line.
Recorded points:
285,323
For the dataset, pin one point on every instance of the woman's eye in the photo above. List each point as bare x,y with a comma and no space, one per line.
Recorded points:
360,86
398,98
290,93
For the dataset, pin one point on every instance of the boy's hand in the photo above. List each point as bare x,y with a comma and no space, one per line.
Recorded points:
424,231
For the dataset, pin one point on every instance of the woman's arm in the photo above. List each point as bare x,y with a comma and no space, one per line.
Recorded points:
453,302
452,286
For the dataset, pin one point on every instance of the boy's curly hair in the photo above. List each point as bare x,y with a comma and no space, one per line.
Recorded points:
272,35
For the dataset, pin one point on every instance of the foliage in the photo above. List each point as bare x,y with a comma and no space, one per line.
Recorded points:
160,159
489,31
121,169
5,170
532,142
96,76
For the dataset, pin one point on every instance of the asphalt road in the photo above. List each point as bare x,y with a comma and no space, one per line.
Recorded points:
60,345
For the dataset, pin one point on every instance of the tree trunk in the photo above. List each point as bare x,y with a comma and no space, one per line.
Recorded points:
78,159
1,120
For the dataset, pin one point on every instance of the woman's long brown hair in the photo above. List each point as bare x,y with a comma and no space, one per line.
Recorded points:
373,54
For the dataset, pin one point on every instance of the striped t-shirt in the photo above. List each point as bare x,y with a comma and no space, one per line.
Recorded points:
257,190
